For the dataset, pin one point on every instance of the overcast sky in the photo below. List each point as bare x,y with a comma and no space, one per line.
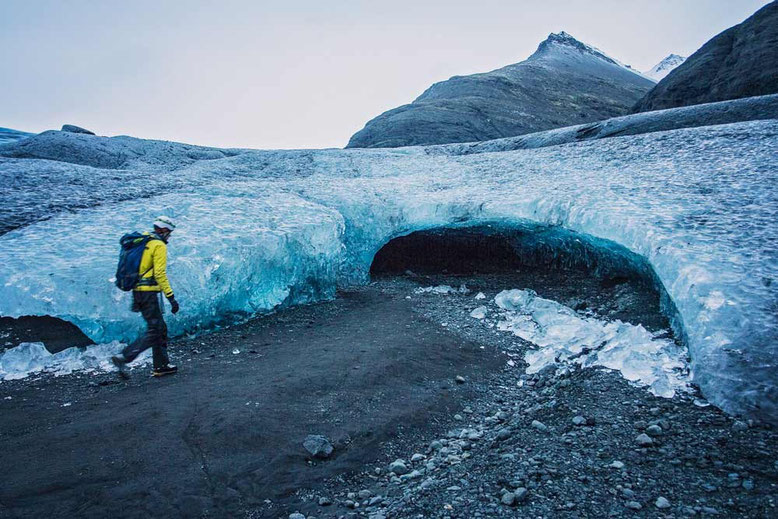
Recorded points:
295,74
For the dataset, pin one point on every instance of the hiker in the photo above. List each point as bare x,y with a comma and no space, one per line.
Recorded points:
147,293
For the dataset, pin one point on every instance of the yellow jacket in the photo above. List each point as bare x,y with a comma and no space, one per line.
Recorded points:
153,268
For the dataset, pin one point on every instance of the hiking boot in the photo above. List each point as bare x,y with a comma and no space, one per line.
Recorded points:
164,370
121,365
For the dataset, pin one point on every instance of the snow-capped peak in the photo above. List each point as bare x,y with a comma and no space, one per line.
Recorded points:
664,67
563,40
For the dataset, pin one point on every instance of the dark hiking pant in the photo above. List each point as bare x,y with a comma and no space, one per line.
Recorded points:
148,304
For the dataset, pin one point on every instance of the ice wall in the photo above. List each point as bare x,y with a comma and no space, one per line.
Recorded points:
262,229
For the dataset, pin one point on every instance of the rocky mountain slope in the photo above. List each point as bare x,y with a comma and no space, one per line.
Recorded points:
740,62
659,71
564,82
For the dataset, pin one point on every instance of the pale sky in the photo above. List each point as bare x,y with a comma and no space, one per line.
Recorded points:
296,74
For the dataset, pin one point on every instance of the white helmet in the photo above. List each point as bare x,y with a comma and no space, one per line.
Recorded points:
165,222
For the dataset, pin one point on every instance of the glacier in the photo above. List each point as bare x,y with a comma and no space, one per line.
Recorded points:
260,230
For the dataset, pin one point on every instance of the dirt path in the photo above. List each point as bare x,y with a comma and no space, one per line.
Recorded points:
225,433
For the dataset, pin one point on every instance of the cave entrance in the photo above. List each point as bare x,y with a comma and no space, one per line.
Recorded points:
579,270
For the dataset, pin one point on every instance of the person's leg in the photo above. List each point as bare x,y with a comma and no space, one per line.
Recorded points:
159,345
156,330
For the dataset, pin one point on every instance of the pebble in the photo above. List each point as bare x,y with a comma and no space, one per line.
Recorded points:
508,498
654,430
617,465
411,475
739,426
579,420
634,505
504,434
399,467
296,515
540,426
325,501
459,379
364,494
644,440
417,457
748,484
661,502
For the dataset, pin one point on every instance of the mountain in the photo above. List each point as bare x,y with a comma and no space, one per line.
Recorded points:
9,135
564,82
664,67
740,62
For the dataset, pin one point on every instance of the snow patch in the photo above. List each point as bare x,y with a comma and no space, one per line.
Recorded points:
30,358
443,290
664,67
562,336
479,313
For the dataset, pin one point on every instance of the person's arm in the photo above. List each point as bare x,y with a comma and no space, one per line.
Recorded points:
160,270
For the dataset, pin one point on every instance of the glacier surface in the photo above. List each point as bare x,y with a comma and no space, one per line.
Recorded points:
262,229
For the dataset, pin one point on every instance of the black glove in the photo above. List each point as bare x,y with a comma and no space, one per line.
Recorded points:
173,304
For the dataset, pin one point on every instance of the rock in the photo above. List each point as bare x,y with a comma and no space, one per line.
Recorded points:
296,515
644,440
617,465
411,475
748,484
654,430
503,434
325,501
633,505
709,510
459,379
508,498
661,502
318,446
399,467
364,494
521,494
540,426
739,62
71,128
739,426
579,420
417,458
435,445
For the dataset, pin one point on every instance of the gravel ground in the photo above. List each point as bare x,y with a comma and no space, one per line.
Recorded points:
560,443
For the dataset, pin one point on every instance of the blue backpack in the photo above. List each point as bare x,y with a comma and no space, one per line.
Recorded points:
128,272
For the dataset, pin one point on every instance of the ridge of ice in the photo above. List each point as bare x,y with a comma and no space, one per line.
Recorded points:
262,229
562,336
